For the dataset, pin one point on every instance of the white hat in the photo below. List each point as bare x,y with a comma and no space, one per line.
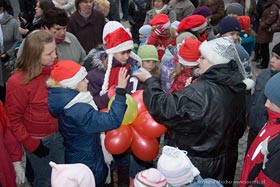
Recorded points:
175,165
219,50
150,177
71,175
117,39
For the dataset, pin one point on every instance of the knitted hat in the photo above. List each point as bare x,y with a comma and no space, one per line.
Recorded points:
229,24
150,177
235,8
162,19
117,39
145,30
175,165
71,175
148,52
218,51
189,52
68,73
180,38
272,89
193,23
245,23
276,49
204,11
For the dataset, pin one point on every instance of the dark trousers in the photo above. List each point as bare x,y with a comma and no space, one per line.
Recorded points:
3,93
262,52
124,5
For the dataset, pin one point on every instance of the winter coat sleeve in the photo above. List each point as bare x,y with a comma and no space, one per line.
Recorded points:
269,18
16,103
183,106
94,121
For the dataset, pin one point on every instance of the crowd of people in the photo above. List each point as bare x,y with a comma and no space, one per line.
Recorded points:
67,68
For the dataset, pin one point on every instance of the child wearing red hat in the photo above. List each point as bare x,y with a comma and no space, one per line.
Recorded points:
162,36
79,120
103,77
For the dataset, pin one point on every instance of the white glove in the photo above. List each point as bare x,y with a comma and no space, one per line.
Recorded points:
20,173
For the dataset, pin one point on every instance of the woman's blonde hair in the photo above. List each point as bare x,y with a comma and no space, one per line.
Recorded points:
51,83
30,60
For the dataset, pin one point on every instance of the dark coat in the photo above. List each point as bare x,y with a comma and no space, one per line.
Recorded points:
205,118
269,21
88,31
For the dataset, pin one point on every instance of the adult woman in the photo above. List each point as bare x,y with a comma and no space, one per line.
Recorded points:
30,120
87,24
160,7
41,7
9,35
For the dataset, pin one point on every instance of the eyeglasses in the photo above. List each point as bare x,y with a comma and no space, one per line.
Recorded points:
126,52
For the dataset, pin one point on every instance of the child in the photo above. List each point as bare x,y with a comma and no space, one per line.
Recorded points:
261,166
149,57
161,36
150,177
188,56
80,123
144,34
179,171
71,175
104,76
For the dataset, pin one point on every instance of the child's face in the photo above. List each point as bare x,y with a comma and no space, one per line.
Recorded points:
275,62
149,65
271,106
123,56
82,86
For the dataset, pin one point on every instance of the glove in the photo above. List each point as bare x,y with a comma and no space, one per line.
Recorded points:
41,150
20,173
159,29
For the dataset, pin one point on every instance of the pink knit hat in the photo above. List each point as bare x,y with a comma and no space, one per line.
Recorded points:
150,177
71,175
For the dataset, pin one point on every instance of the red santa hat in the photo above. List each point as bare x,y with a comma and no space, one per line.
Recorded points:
189,52
116,39
244,22
68,73
161,19
193,23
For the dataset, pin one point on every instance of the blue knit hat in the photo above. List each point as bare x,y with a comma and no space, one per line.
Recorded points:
272,89
229,24
145,30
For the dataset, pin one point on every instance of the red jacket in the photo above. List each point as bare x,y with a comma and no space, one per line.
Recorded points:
261,165
161,43
27,109
10,152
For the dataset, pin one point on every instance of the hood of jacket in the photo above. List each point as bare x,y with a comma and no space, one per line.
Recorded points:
7,17
58,98
225,74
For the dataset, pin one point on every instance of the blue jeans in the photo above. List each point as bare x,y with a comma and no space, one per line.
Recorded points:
40,166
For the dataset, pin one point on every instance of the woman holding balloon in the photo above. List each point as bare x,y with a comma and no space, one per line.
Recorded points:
80,122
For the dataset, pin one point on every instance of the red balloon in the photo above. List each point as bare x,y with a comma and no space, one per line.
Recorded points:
118,140
147,126
138,97
145,149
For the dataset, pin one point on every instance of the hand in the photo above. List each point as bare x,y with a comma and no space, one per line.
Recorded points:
20,173
159,29
123,78
41,150
23,31
142,74
112,91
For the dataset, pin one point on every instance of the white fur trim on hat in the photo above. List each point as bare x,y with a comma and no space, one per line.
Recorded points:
121,47
73,81
186,63
199,27
212,56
